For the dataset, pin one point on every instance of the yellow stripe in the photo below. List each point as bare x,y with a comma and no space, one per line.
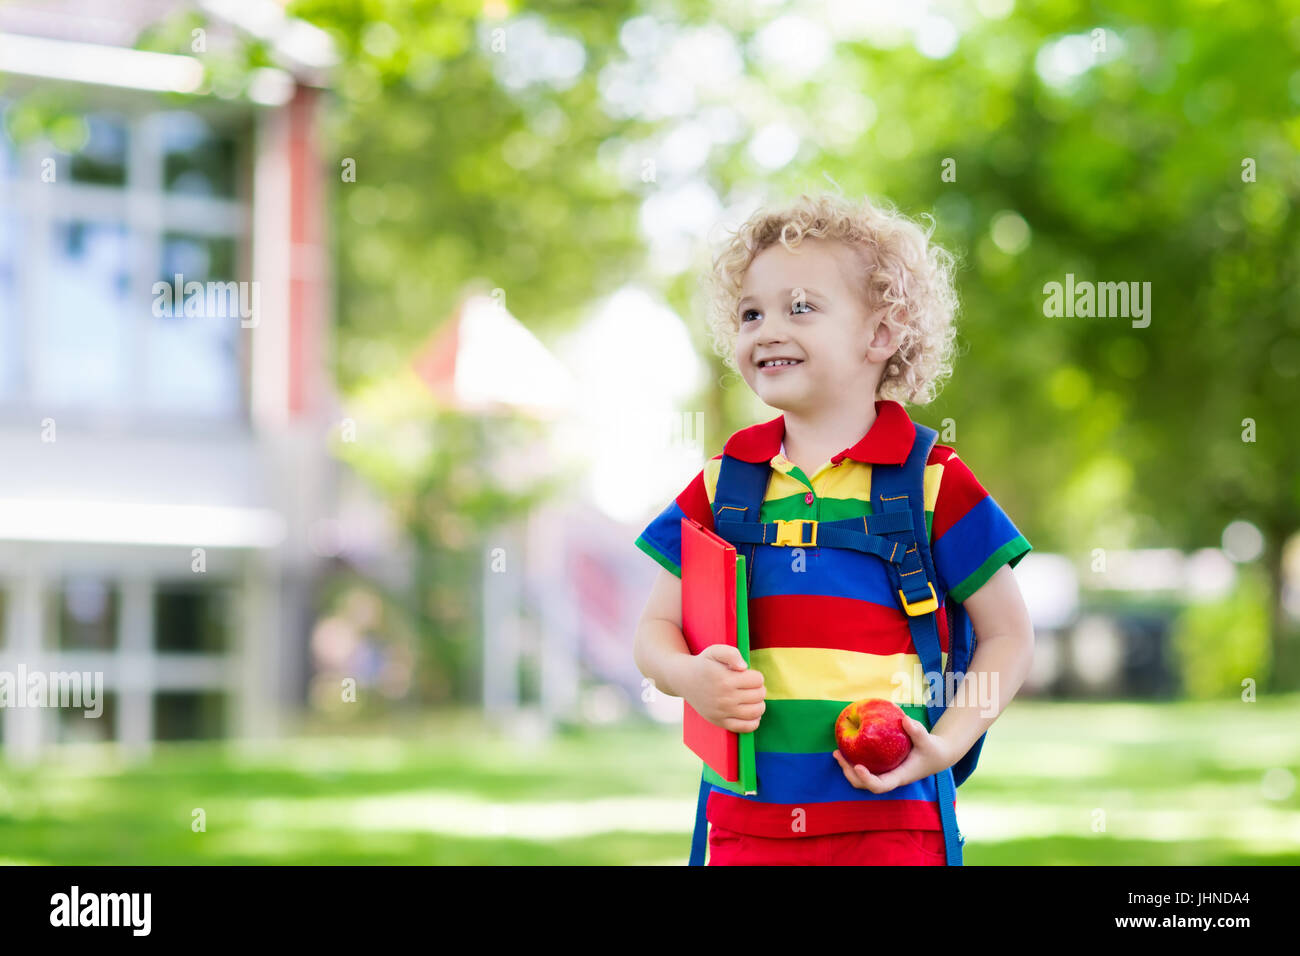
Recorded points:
933,476
851,480
815,673
711,469
782,485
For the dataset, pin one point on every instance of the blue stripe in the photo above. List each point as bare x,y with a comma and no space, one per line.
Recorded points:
817,778
832,572
968,543
665,532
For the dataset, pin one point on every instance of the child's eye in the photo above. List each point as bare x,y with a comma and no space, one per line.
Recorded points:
807,305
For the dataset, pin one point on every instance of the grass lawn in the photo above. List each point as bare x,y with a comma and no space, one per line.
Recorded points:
1104,783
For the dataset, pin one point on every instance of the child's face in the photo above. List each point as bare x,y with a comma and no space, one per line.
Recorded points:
841,349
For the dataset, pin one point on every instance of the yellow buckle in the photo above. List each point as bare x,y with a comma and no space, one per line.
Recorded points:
791,532
924,606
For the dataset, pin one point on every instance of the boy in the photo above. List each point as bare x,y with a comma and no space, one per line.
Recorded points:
831,311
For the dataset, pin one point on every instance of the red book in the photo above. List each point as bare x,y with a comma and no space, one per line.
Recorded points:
715,610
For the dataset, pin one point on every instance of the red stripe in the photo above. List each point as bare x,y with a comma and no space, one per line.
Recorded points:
938,454
887,441
694,501
837,816
959,491
838,623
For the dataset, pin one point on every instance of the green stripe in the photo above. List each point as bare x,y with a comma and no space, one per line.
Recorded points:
823,509
792,507
715,778
748,782
1011,553
797,474
663,559
808,726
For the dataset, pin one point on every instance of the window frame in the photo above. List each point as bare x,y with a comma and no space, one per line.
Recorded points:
149,215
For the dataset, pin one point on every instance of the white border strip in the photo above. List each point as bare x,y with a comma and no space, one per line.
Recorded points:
102,65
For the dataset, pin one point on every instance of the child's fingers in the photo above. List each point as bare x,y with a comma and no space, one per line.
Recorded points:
851,772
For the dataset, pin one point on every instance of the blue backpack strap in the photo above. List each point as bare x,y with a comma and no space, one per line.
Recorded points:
861,534
901,488
699,838
961,640
737,500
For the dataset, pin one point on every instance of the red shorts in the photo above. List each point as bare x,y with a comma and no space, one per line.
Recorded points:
862,848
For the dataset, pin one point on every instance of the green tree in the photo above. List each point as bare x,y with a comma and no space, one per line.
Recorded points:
1116,143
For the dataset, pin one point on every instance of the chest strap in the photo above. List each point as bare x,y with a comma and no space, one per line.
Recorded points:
860,534
917,595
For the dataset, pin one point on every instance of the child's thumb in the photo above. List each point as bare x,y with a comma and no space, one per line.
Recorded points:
727,654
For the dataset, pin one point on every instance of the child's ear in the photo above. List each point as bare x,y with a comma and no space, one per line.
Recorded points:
884,342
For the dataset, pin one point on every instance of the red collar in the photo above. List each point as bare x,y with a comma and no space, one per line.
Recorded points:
887,442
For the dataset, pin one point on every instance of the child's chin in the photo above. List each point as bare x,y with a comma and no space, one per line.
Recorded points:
779,398
783,389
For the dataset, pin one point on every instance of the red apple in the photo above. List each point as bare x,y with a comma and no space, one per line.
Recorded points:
871,732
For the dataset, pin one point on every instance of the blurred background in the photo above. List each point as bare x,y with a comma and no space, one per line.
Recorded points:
346,526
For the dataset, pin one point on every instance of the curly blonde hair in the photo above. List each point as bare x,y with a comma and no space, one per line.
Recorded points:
901,269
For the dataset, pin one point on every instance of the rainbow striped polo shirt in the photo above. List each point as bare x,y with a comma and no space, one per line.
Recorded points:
825,628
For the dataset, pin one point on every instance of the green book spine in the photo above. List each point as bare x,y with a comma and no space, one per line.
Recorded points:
748,782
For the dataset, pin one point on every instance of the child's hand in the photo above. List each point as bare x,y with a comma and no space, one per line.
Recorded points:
723,689
929,755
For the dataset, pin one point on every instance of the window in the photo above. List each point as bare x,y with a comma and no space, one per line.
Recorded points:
142,198
85,339
196,357
10,359
198,160
87,615
187,715
102,160
191,618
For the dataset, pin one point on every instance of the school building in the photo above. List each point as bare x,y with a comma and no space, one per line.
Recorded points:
165,468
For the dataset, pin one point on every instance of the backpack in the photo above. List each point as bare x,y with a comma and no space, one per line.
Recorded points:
892,532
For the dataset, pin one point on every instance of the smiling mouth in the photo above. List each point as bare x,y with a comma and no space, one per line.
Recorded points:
779,363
